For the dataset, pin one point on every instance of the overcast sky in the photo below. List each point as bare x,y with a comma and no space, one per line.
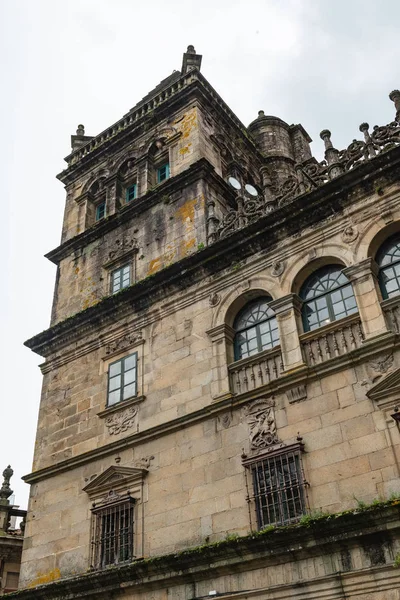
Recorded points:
63,62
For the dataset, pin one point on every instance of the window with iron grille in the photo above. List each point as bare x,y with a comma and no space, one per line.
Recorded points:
277,488
112,532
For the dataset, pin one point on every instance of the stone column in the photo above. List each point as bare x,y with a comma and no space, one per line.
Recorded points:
363,276
288,314
222,339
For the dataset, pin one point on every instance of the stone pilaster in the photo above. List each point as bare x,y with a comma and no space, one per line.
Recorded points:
363,276
288,315
222,339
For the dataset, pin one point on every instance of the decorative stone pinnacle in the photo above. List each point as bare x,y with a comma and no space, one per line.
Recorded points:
261,114
395,97
190,50
325,135
364,127
80,130
5,490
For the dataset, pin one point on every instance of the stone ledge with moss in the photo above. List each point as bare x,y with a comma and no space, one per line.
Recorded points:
333,549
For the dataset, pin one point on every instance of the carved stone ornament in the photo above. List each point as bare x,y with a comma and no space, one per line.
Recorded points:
277,268
123,342
297,394
349,234
225,420
121,247
112,496
121,421
214,299
144,463
262,427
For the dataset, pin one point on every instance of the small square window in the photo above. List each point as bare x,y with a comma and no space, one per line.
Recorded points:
122,379
100,211
163,173
131,193
120,279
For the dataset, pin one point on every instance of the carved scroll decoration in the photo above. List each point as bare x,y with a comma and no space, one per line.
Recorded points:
262,427
121,421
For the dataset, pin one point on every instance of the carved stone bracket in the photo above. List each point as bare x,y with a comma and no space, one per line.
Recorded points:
121,421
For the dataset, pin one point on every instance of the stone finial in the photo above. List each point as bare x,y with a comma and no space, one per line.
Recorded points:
80,130
5,490
191,60
395,97
261,114
325,136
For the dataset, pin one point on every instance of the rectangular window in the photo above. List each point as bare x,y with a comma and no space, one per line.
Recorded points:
163,173
120,278
112,534
278,489
100,211
131,193
122,379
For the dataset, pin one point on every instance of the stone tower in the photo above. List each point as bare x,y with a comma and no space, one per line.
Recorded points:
222,368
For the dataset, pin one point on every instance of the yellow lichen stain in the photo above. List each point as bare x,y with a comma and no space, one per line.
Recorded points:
154,266
185,247
76,270
91,300
188,123
186,213
185,150
48,577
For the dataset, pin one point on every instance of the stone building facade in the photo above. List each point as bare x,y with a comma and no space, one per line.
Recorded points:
222,369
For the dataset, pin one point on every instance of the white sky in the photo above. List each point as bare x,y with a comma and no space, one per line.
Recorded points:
63,62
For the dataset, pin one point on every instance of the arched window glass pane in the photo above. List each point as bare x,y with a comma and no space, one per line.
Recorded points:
328,296
388,259
256,329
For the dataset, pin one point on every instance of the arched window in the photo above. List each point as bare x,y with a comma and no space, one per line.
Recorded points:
255,328
328,296
388,259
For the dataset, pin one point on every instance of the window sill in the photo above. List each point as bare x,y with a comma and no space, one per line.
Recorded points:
121,406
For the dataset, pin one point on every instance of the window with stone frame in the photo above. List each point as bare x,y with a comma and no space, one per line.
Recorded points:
276,486
120,278
122,379
96,206
112,539
256,328
388,260
327,296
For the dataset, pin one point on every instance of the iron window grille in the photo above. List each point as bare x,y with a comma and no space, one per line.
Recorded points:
388,260
163,173
277,487
100,211
131,193
120,278
328,296
112,536
122,379
256,329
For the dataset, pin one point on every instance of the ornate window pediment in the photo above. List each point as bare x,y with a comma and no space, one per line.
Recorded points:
387,391
118,479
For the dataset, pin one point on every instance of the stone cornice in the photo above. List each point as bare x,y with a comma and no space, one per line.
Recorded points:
256,550
303,375
307,210
192,84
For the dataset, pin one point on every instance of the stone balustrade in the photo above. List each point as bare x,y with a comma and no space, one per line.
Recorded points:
255,371
391,309
331,341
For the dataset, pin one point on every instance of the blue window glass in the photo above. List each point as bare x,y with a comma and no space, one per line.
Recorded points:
388,260
256,329
163,173
131,193
120,278
100,211
328,296
122,379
